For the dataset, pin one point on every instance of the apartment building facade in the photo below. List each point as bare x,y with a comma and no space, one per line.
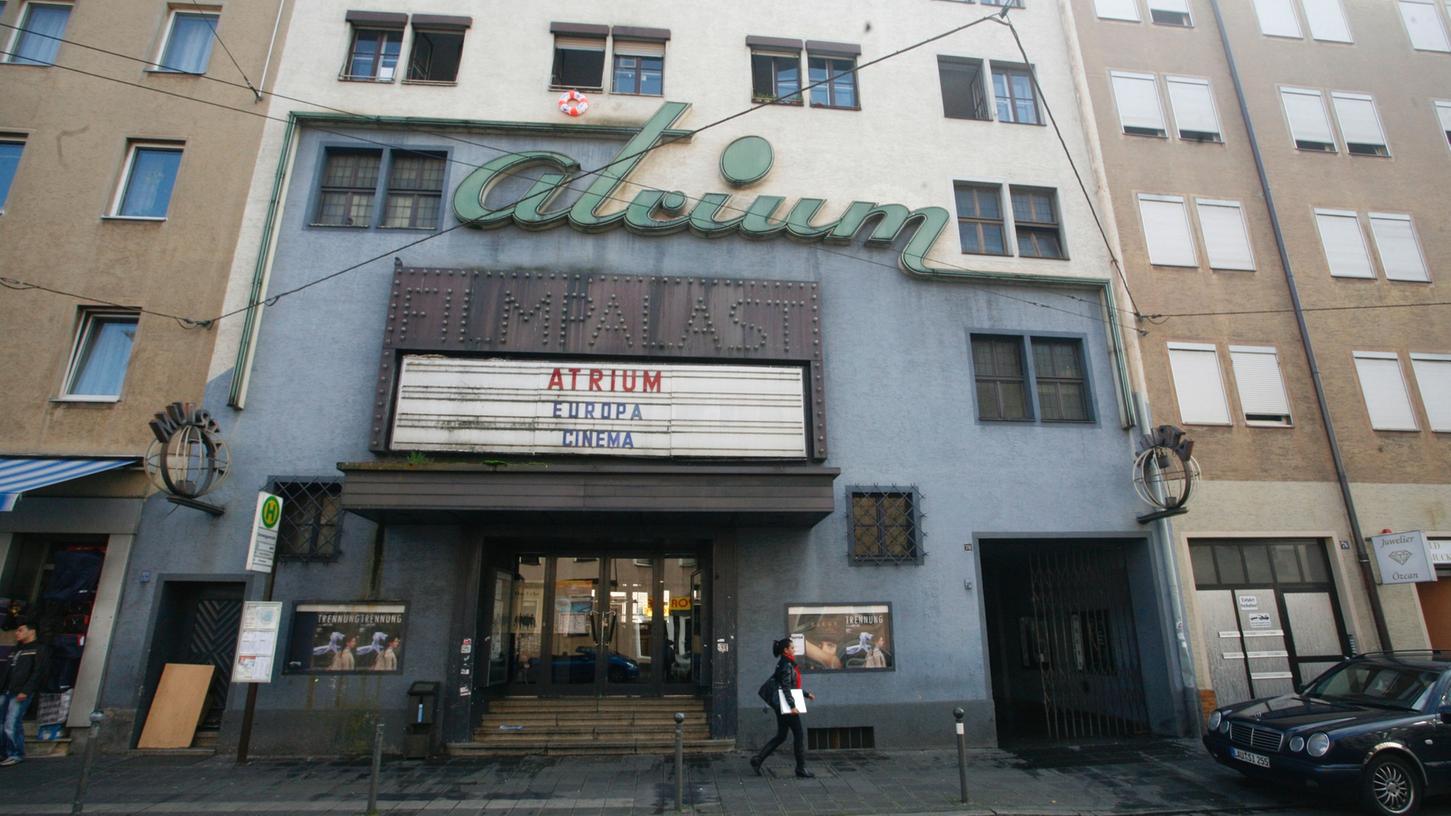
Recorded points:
1274,168
123,176
590,351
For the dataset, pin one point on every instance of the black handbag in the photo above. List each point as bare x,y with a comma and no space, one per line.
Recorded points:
767,693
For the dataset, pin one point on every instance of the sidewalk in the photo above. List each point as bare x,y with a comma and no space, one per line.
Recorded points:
1157,777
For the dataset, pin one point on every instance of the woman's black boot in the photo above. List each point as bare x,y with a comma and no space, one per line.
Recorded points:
805,774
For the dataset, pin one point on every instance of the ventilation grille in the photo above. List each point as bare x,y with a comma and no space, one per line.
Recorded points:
832,739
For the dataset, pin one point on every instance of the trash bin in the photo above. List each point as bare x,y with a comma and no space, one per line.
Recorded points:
422,719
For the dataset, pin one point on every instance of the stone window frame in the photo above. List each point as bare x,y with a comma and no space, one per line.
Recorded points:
913,524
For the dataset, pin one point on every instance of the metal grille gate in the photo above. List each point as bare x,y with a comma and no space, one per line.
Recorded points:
1082,631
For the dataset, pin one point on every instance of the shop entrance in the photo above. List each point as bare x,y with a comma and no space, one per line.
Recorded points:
1062,640
627,622
197,623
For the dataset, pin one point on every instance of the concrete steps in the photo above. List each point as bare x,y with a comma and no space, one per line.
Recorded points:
593,726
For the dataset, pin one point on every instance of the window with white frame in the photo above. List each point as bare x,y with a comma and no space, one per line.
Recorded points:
1166,230
147,182
1261,387
1226,239
1400,252
1433,378
579,63
1327,20
1117,9
188,45
437,49
1309,125
37,37
100,354
10,149
1170,12
1424,25
1277,18
1198,384
1014,94
1194,116
639,67
376,47
1443,116
963,94
1359,124
1344,244
1383,385
1137,99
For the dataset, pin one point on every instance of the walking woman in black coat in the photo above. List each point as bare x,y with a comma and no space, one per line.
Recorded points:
785,678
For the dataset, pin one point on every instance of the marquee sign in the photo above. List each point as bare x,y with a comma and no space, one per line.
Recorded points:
599,408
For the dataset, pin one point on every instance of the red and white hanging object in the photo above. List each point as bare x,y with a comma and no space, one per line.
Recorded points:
573,103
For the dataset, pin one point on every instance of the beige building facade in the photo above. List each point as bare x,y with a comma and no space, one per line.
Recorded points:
128,132
1291,320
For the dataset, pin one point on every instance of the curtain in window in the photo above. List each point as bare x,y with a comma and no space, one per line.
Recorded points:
148,190
37,45
102,366
190,47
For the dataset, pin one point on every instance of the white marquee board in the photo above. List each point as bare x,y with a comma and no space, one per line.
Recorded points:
599,408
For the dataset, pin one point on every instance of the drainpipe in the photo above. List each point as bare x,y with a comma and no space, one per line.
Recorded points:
1370,588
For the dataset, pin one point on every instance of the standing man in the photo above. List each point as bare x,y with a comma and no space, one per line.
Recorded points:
19,684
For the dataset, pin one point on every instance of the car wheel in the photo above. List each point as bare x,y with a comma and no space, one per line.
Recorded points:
1391,787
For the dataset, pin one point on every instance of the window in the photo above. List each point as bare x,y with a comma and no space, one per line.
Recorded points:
579,63
1309,126
312,520
1261,388
374,55
884,525
38,36
1359,124
1016,100
1035,220
1277,18
1166,230
1193,103
415,190
1327,20
1117,9
964,94
639,68
1008,3
99,357
1433,377
1137,99
188,46
1198,384
1443,115
349,183
1400,252
1226,240
9,161
838,82
1170,12
1384,388
998,370
776,77
980,219
435,54
1345,250
146,186
1059,375
1424,26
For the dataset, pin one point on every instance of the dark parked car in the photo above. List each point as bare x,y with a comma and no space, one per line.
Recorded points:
579,667
1377,725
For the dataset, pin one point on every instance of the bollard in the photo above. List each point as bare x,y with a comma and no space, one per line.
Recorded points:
679,762
79,803
961,752
377,768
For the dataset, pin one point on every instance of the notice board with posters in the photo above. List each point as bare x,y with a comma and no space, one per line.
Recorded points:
841,637
351,637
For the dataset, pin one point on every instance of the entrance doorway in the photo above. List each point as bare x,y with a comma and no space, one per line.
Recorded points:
196,622
1062,641
622,622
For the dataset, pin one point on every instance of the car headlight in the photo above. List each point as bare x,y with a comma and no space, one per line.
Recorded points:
1318,744
1297,744
1214,720
1224,726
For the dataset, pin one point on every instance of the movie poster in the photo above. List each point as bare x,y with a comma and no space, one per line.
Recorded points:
347,637
842,637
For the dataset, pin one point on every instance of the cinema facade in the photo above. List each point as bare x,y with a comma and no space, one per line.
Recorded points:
592,438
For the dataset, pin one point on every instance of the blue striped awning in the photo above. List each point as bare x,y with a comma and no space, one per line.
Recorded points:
21,474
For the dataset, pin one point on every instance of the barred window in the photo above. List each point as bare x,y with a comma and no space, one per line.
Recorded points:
884,526
349,182
415,190
312,520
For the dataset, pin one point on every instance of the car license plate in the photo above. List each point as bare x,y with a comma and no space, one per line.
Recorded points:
1251,758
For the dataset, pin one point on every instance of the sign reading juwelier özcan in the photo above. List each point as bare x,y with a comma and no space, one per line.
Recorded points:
599,407
347,637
